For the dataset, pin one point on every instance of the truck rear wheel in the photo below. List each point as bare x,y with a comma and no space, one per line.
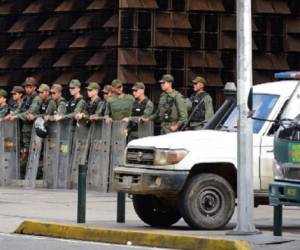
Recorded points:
207,202
155,211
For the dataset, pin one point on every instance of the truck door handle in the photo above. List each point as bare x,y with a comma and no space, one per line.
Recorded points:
270,151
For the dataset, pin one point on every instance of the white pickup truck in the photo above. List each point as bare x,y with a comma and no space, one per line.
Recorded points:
193,174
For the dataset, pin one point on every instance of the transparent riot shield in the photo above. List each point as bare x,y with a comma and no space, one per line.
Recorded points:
99,154
79,151
145,129
57,154
9,152
33,159
118,144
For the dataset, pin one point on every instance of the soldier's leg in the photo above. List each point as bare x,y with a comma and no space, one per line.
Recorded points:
26,136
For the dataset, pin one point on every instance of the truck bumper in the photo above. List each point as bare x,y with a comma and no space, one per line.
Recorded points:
148,181
284,193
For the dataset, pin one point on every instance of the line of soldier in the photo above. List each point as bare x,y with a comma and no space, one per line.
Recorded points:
172,111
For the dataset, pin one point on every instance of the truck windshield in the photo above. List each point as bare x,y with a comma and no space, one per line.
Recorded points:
262,105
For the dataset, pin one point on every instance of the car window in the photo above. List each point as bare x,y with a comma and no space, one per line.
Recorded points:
262,105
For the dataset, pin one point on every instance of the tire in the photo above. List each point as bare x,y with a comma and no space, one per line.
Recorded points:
155,211
207,202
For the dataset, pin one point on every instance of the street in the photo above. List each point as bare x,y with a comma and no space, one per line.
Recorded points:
13,242
60,206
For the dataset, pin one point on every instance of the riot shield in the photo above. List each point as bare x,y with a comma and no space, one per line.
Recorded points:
99,154
33,159
79,151
145,129
118,144
57,154
9,152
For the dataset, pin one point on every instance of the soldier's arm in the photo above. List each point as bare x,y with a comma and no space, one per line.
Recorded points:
33,109
4,111
100,111
80,107
107,112
51,108
209,109
62,108
189,105
181,109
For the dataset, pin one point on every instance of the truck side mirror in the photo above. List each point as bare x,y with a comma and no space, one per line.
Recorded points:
250,100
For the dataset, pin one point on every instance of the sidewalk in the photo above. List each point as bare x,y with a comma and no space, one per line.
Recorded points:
60,206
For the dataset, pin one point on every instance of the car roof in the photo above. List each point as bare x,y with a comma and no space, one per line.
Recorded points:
285,87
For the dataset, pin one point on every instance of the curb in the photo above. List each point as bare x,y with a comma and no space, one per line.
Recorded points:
107,235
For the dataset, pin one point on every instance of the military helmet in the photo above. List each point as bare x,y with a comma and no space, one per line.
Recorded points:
40,127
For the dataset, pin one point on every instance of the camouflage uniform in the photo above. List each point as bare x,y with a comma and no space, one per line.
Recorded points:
4,110
30,105
96,106
60,104
75,105
204,111
201,106
140,109
171,109
16,105
48,106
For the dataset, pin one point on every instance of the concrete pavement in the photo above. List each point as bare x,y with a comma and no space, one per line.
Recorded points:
59,206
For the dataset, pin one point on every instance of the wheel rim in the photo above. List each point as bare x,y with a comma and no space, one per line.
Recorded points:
209,202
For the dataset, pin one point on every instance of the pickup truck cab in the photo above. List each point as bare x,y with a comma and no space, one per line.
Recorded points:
193,174
285,190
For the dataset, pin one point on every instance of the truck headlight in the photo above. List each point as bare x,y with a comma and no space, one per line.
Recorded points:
169,156
277,170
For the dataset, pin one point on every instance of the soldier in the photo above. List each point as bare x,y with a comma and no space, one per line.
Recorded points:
172,110
94,106
142,108
29,107
107,91
17,95
48,106
119,105
76,104
4,108
202,107
60,102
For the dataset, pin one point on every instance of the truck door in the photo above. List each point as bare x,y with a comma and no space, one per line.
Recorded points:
266,161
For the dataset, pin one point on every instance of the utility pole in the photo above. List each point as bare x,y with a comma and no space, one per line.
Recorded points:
245,196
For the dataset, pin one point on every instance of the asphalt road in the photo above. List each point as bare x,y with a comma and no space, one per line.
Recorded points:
14,241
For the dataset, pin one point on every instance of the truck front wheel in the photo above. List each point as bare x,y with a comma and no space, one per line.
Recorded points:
207,202
155,211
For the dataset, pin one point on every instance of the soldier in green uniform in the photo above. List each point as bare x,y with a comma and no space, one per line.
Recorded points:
94,106
4,108
142,108
172,110
48,106
119,105
17,95
202,106
76,104
29,107
60,102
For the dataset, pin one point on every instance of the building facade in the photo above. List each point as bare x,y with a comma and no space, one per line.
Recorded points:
139,40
